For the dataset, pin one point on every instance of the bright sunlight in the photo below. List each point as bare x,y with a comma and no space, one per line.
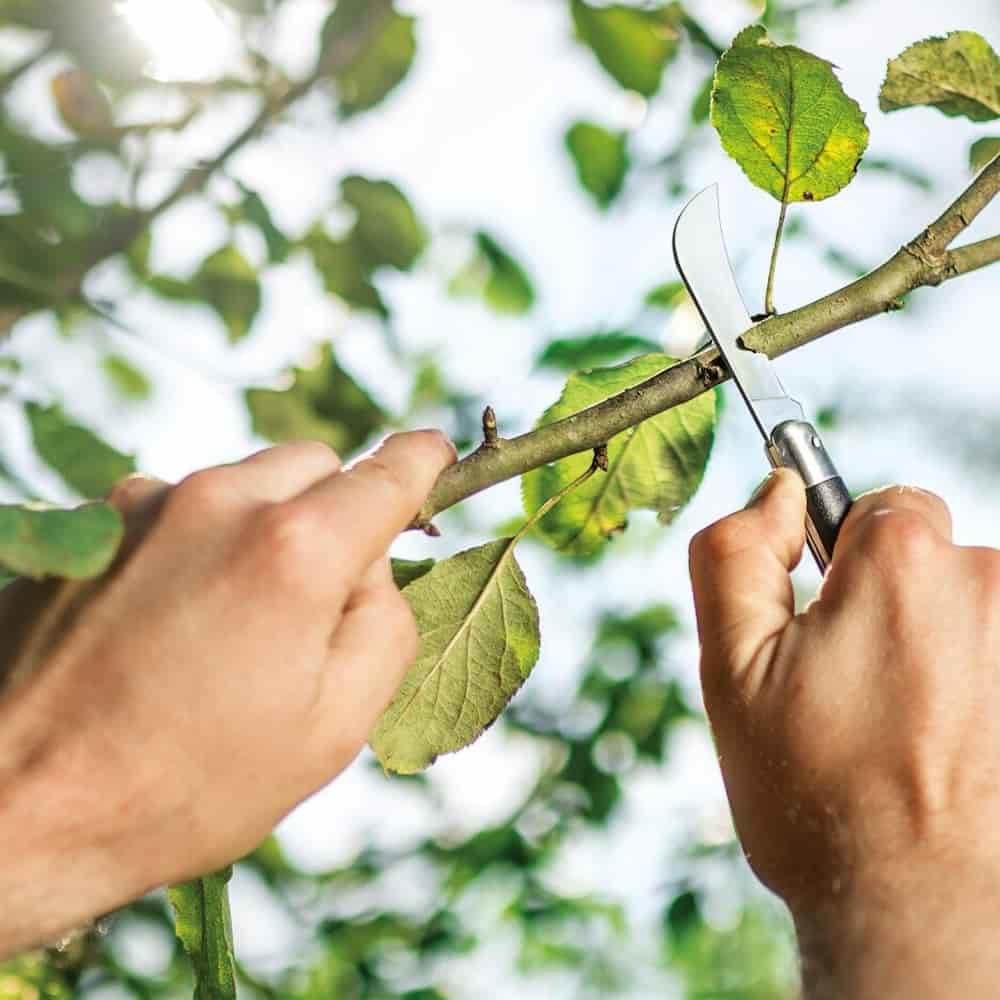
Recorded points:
186,38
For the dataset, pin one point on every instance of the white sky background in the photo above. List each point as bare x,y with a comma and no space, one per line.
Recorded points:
475,136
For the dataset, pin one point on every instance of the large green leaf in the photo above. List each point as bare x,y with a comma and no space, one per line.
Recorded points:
572,353
496,276
88,464
479,639
656,466
387,228
228,283
44,541
203,924
783,116
383,62
958,74
601,160
633,45
323,403
983,151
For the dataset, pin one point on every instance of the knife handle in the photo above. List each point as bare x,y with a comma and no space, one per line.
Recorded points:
796,445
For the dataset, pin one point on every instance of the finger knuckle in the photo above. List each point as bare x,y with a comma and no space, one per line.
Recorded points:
318,452
387,477
902,538
124,491
721,540
286,536
206,492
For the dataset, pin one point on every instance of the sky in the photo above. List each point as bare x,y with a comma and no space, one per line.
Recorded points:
475,137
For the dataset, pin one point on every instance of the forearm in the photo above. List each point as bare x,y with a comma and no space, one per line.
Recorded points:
926,936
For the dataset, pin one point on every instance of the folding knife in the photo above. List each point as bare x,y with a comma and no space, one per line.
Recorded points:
791,441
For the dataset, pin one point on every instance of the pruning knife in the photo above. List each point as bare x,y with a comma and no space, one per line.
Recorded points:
790,440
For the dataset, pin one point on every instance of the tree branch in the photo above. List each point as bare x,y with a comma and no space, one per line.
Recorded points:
925,260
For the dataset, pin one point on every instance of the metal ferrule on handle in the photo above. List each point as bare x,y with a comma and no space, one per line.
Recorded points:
795,445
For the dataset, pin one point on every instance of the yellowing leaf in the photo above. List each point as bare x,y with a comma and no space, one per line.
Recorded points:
479,639
601,160
203,924
783,116
87,464
958,74
633,45
657,465
82,105
45,541
983,151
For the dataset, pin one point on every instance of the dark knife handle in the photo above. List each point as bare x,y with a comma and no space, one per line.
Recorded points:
796,445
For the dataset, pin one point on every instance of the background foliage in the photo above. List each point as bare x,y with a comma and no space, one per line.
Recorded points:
293,227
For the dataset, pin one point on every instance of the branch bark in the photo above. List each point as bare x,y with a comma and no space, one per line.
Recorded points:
924,261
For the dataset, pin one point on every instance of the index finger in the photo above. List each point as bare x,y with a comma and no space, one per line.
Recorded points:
378,496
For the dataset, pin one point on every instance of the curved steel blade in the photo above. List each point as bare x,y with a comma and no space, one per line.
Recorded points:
704,266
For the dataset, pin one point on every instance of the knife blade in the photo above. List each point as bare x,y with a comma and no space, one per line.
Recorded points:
790,440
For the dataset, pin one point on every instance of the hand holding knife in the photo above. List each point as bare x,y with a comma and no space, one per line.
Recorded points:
790,440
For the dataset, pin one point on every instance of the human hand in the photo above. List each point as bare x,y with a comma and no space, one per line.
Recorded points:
231,663
860,739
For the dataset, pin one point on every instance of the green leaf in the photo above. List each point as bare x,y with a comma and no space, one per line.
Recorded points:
323,403
657,465
228,283
572,353
405,571
479,639
983,151
601,160
783,116
344,267
254,211
202,922
665,296
126,378
701,105
383,62
33,976
496,277
958,74
387,229
41,541
86,463
633,45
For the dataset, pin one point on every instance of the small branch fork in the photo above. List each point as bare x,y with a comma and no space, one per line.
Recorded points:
925,260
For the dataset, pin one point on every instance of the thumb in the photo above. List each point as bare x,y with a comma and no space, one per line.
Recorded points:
740,574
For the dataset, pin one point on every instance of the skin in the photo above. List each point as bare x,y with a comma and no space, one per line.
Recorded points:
247,640
860,739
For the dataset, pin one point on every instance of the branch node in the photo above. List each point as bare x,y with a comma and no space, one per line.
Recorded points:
601,457
490,437
429,528
712,374
894,305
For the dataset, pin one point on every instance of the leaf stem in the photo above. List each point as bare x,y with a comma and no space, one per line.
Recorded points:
769,294
600,462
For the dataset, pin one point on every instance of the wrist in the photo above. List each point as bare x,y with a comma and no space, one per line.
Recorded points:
76,827
922,928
